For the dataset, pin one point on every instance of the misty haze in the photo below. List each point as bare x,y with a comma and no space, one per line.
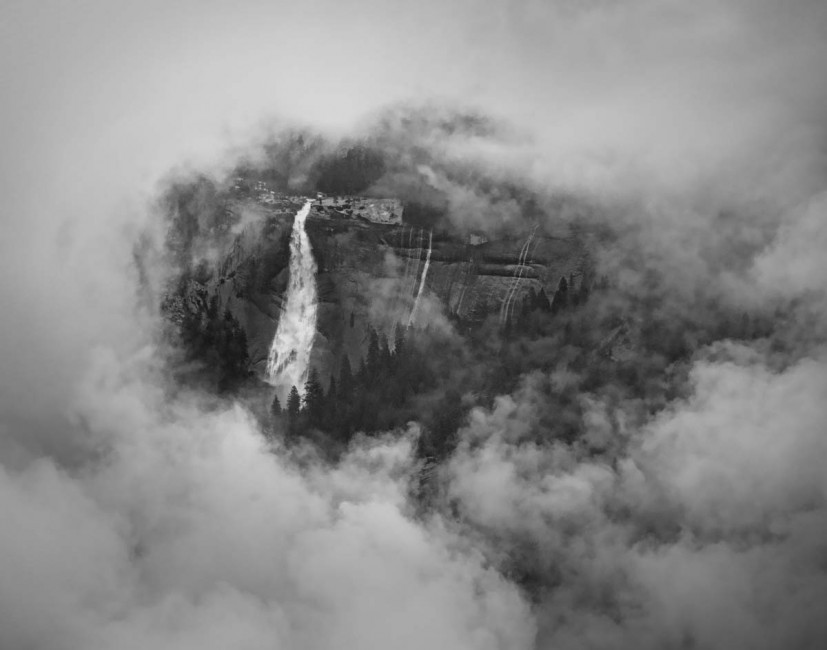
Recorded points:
481,325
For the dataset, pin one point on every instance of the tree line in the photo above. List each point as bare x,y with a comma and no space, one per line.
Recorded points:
370,398
407,379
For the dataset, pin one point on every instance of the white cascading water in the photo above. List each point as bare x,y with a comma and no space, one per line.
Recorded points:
408,257
465,284
289,360
518,274
418,258
424,275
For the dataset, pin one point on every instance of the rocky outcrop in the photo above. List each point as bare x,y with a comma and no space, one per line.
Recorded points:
370,267
469,278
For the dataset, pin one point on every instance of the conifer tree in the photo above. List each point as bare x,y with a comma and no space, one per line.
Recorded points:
362,375
294,404
275,406
374,353
561,297
345,379
330,406
399,341
314,398
583,292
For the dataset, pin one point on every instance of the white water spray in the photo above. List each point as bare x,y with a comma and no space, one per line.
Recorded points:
424,275
289,359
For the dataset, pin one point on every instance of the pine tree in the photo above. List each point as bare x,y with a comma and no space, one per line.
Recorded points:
574,291
275,406
374,353
314,398
542,301
583,292
399,341
561,297
345,379
362,375
447,418
294,404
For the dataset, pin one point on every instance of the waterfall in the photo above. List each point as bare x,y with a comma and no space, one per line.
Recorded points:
518,274
424,275
418,258
289,359
465,283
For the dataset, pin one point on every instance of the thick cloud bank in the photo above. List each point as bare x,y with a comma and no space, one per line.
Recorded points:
184,532
709,529
135,516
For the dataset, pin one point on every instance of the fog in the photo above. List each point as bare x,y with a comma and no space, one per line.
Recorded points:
134,519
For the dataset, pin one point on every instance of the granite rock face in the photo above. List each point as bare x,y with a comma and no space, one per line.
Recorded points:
370,267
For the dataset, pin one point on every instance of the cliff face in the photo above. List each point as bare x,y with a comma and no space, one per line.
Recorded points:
371,265
373,271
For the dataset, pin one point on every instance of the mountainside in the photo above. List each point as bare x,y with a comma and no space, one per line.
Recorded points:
371,265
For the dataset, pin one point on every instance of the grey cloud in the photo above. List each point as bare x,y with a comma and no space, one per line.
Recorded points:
186,533
695,131
708,525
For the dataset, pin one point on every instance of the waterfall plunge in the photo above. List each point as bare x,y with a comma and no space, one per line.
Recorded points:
289,359
424,277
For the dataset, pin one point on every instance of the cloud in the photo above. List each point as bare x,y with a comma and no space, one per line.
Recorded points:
183,531
708,525
791,265
696,130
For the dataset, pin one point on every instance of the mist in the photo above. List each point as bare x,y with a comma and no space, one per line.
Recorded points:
138,513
